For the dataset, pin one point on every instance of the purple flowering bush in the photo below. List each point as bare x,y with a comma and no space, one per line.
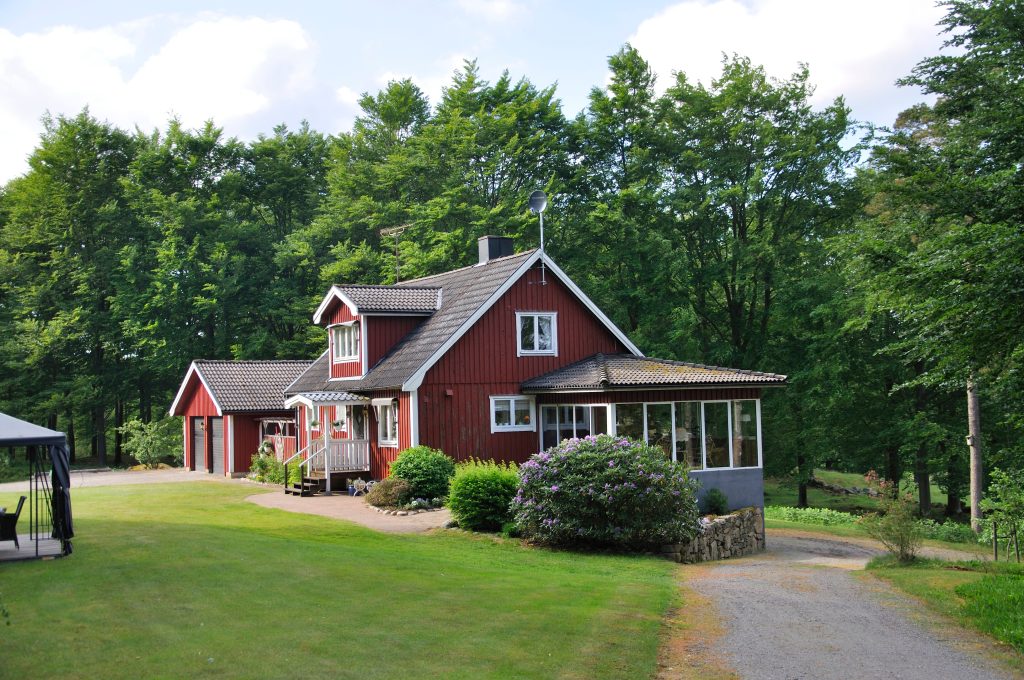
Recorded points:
605,491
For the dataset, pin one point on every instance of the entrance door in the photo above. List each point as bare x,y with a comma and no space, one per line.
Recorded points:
217,444
198,445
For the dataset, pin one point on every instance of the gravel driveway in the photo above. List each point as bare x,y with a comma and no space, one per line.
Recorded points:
801,610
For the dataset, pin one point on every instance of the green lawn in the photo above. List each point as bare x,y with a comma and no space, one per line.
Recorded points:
984,595
189,580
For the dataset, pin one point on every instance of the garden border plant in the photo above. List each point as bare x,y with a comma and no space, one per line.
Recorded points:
605,491
481,493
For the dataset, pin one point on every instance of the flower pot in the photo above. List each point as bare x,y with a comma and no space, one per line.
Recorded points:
351,490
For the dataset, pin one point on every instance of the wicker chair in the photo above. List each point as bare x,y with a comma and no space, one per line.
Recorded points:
9,525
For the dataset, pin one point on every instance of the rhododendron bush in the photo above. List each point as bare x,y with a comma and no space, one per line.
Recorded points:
606,491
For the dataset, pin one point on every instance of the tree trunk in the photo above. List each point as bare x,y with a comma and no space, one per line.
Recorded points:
118,437
99,420
145,404
71,436
893,469
974,443
801,463
924,489
952,490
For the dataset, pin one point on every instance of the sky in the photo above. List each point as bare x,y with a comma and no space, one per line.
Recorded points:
250,66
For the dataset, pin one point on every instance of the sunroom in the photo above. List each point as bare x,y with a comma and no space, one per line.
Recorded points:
705,416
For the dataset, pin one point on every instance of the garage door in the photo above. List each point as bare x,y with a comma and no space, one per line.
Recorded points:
217,439
198,445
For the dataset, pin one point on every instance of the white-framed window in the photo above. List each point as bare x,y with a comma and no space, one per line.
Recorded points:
537,333
387,424
345,341
565,421
707,435
513,413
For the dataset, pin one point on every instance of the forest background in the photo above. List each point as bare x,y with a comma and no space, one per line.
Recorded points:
728,224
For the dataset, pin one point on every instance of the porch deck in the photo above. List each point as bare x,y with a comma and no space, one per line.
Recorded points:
43,549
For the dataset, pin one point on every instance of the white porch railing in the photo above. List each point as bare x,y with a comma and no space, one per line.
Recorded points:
342,455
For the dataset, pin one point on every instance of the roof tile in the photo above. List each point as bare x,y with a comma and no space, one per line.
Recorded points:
250,386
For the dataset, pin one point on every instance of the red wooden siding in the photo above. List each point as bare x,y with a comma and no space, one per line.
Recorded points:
381,457
340,313
483,363
195,402
384,332
245,431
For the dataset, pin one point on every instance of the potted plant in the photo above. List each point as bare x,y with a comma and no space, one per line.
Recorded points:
314,424
351,487
336,424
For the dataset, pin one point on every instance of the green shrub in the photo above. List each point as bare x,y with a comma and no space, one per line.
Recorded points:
267,469
716,502
898,529
950,531
819,516
392,492
481,494
427,470
154,442
605,491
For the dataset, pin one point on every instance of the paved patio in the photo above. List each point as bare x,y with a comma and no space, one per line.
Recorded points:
353,509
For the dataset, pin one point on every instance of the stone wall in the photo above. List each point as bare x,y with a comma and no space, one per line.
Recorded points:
733,535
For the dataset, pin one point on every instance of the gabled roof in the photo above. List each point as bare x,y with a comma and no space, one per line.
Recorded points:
242,386
624,371
465,295
386,299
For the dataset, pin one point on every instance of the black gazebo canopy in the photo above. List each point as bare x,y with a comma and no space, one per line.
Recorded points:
15,432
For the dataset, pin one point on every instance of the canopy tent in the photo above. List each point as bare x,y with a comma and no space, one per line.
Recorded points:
15,432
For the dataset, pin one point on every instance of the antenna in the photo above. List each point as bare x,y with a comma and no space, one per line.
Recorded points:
396,232
539,201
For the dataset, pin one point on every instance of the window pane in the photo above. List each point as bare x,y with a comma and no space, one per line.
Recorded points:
582,421
600,420
549,426
716,433
522,412
659,427
502,412
544,339
688,434
744,433
565,422
629,420
526,335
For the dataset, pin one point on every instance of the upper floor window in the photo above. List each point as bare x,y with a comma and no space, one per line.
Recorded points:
538,333
345,340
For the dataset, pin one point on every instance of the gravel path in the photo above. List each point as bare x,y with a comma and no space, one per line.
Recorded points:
81,479
799,610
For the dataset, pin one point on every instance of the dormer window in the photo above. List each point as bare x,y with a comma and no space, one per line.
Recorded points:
538,333
345,340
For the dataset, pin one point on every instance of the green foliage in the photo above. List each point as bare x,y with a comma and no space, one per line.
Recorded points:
820,516
427,470
392,492
1004,508
996,603
898,529
481,494
154,442
949,531
605,491
716,502
267,469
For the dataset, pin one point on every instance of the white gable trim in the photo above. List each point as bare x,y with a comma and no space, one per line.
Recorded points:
293,401
334,294
416,379
184,383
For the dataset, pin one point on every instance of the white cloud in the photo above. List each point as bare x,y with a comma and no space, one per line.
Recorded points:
856,49
219,67
436,78
347,96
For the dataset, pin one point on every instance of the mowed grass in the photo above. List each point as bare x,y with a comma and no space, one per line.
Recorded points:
189,580
987,596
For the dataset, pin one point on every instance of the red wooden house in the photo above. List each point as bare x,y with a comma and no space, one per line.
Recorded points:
503,359
230,407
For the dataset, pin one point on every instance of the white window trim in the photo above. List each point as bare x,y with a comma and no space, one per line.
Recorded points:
608,415
348,358
520,352
532,427
381,420
613,428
